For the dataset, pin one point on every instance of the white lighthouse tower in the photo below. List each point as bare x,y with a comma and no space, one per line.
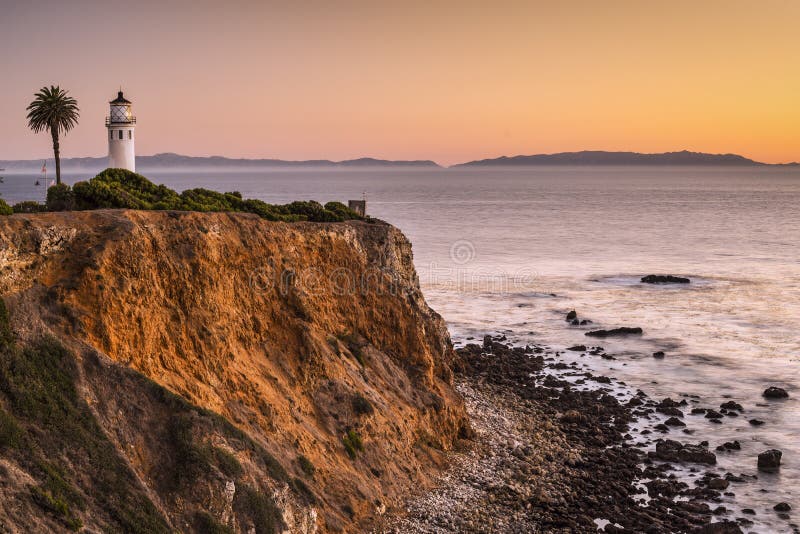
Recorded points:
120,124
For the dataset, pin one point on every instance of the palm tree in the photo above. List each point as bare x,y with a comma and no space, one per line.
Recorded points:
53,109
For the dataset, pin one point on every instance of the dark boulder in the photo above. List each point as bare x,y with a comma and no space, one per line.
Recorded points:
769,461
614,332
775,393
659,354
674,451
674,421
578,348
730,405
571,316
782,507
756,422
664,279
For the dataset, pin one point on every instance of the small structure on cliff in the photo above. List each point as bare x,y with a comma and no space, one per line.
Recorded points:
120,124
359,206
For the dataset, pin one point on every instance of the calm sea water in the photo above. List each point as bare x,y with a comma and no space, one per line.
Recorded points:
514,250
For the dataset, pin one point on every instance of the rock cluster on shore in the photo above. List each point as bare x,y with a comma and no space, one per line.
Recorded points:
552,456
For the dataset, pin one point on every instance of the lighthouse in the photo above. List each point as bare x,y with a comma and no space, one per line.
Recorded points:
120,124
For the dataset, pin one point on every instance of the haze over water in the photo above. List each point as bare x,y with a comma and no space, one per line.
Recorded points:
513,250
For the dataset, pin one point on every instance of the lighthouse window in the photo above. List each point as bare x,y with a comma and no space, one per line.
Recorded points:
111,134
120,134
130,134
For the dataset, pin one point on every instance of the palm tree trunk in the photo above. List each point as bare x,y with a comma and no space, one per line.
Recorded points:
54,133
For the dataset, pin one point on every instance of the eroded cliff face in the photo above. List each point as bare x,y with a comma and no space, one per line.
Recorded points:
240,373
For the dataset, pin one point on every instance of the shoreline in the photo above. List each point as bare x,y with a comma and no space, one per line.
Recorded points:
554,451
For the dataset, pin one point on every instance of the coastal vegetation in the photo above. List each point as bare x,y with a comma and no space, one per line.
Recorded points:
55,111
123,189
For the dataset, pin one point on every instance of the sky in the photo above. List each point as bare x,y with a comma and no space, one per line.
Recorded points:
447,81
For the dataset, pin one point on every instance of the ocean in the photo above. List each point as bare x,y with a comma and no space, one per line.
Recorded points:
512,250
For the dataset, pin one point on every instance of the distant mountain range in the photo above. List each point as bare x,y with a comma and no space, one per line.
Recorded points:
586,157
598,157
171,161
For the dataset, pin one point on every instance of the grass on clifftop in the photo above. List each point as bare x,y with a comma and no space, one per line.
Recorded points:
123,189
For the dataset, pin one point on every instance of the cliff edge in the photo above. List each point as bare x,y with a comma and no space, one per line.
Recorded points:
214,372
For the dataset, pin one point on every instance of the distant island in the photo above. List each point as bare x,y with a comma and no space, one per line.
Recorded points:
587,157
170,161
599,157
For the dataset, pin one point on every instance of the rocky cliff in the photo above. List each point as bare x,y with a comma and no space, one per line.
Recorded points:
214,372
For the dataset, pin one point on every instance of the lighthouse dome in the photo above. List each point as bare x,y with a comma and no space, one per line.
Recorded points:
120,109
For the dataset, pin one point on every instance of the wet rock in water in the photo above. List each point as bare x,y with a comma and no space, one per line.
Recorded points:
669,410
730,405
775,393
713,414
721,527
719,484
674,451
674,421
659,355
585,321
571,316
782,507
575,322
748,511
614,332
578,348
664,279
769,461
730,446
756,422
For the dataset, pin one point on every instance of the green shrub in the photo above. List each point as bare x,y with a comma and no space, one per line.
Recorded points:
207,524
341,211
352,443
29,206
6,335
362,406
227,462
189,460
5,209
306,465
259,508
57,507
10,432
60,197
120,188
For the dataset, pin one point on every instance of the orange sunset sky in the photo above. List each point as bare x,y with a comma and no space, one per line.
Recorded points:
448,81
